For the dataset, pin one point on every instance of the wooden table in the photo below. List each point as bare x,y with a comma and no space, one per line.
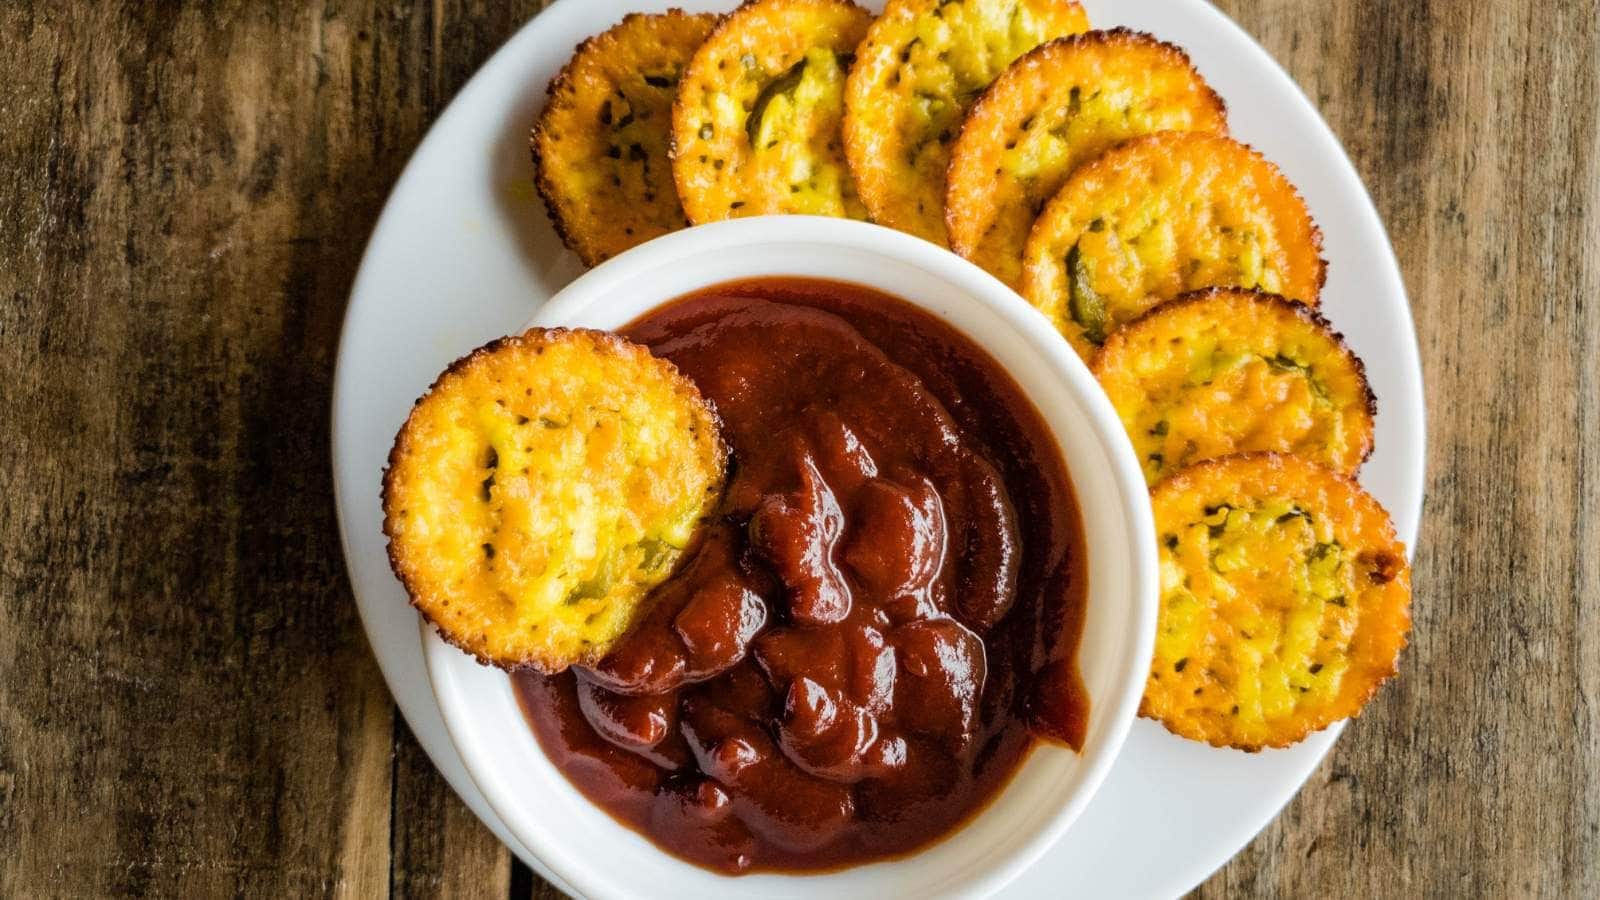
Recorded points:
188,706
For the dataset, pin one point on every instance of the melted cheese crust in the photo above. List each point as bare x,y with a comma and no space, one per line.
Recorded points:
1285,601
1229,371
919,69
1060,105
1161,215
600,146
756,124
542,487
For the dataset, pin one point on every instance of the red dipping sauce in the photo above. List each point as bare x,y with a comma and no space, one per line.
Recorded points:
879,621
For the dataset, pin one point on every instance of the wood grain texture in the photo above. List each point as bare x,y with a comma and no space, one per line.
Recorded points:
1476,127
189,707
439,849
187,704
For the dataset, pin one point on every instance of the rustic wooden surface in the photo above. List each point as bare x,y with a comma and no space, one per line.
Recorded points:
187,704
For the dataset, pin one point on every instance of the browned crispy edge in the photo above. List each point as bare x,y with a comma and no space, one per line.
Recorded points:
1316,229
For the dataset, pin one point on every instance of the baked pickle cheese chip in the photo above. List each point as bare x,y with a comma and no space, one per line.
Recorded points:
1060,105
600,145
756,126
1285,601
1160,215
1226,371
920,68
542,487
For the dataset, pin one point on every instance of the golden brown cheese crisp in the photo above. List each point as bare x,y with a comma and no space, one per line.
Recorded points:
1161,215
542,487
919,69
600,146
1285,601
1060,105
756,124
1226,371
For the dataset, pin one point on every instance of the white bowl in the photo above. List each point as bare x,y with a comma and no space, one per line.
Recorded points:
586,850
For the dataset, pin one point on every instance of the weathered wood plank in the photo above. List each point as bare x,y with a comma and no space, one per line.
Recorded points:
190,707
195,710
1476,127
440,849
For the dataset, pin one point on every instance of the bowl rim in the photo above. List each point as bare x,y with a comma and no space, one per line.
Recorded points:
976,286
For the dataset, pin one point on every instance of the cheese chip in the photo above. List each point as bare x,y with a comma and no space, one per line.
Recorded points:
1162,215
1285,601
1226,371
600,146
756,127
542,487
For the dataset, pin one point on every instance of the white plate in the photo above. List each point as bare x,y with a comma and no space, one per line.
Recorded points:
464,253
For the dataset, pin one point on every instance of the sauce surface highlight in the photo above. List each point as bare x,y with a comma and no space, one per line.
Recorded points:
878,623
